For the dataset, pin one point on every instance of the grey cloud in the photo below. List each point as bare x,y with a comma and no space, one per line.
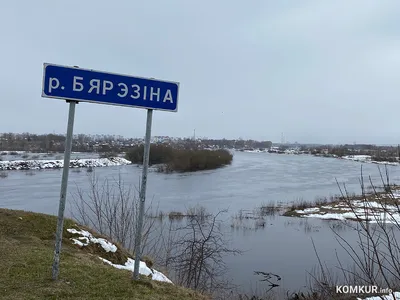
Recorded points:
320,71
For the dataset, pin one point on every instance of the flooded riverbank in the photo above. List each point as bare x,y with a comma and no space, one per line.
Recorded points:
282,246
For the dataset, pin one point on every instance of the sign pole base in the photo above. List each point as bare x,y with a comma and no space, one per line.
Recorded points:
142,194
64,185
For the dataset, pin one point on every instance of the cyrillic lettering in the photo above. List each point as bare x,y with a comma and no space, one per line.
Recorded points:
107,86
54,83
77,86
136,91
95,84
144,92
124,89
168,97
154,94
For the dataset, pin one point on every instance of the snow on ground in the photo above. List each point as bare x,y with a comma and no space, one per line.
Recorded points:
383,297
86,238
371,211
358,157
53,164
143,269
255,151
368,159
89,238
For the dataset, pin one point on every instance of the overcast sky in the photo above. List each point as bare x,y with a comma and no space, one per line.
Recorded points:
318,71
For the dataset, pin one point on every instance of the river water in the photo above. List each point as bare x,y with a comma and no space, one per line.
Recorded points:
283,246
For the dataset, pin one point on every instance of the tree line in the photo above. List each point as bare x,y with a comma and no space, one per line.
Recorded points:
112,143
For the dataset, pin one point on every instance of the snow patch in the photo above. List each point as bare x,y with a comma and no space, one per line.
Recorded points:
368,159
56,164
371,211
384,297
86,238
308,210
85,235
143,269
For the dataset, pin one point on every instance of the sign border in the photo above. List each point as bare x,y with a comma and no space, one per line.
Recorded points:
106,103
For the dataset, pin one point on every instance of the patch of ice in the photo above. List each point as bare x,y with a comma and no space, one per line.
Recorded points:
106,245
383,297
143,269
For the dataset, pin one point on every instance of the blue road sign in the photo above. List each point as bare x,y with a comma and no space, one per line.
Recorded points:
73,83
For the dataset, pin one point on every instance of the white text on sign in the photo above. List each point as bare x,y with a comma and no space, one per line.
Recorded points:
102,87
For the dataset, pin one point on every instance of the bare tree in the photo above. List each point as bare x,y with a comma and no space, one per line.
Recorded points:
376,258
191,251
111,208
196,260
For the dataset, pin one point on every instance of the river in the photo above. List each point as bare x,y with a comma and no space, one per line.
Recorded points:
282,247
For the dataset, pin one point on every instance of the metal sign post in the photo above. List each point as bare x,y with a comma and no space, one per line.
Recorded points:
64,185
142,194
84,85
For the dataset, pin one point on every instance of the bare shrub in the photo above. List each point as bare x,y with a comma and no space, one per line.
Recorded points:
191,252
111,208
196,258
108,155
175,215
376,258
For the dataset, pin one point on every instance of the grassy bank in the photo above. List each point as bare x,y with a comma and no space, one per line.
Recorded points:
27,245
181,160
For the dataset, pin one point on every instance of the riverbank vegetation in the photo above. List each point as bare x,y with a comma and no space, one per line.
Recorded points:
370,206
51,143
27,245
172,159
190,245
375,255
377,153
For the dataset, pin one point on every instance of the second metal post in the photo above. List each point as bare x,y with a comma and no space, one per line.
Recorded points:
142,194
64,185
